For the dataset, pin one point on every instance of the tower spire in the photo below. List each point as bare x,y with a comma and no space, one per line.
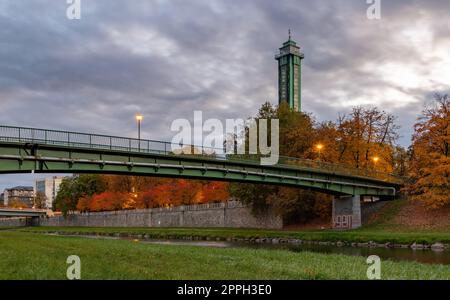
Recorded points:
289,34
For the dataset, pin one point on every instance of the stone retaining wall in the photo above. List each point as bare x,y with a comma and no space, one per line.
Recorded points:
13,222
232,214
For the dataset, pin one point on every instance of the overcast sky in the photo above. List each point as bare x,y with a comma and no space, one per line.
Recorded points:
169,58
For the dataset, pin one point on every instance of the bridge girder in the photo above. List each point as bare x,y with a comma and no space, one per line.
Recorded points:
25,158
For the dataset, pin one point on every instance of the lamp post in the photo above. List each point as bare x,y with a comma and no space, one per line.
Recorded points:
139,118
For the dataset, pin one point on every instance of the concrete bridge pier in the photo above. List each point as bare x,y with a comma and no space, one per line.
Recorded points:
347,212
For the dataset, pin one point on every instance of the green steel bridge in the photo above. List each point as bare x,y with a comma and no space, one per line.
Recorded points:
29,150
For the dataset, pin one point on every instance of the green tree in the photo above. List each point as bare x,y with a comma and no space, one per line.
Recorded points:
72,189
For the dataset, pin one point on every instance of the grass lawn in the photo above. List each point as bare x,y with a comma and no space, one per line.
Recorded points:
375,234
36,256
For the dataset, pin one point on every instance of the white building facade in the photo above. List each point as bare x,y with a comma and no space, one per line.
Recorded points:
48,187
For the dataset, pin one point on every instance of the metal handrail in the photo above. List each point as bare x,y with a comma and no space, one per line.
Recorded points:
100,141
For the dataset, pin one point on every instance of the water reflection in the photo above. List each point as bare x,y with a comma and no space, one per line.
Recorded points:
396,254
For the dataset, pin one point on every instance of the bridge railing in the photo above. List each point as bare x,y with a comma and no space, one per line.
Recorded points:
98,141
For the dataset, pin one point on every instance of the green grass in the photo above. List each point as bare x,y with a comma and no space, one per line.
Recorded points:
360,235
37,256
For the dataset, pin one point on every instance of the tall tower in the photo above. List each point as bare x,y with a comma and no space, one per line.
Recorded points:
289,74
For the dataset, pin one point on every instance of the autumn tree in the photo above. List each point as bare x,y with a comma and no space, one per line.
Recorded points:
108,201
146,199
364,134
296,140
129,184
215,191
326,134
84,204
430,164
296,132
185,191
40,200
400,161
353,142
17,204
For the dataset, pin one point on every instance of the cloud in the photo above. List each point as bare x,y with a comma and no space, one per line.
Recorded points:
166,59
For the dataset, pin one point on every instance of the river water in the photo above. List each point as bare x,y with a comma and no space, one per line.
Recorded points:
396,254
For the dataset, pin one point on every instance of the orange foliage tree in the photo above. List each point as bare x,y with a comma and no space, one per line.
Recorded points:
146,199
430,163
365,134
84,203
152,192
214,192
108,201
364,139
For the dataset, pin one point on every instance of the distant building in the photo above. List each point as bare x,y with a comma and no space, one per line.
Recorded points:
289,74
19,195
48,187
2,199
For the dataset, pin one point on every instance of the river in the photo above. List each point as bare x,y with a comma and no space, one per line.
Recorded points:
396,254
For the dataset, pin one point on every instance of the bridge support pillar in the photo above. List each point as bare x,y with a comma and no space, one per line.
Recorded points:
347,212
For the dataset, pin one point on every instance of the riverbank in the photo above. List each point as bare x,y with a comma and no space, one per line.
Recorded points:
371,237
38,256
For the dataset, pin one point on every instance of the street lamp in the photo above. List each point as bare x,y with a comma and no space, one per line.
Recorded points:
375,160
319,147
139,118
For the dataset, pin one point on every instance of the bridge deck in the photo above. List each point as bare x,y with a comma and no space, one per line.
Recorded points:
40,150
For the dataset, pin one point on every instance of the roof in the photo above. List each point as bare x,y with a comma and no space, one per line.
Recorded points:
21,188
290,43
